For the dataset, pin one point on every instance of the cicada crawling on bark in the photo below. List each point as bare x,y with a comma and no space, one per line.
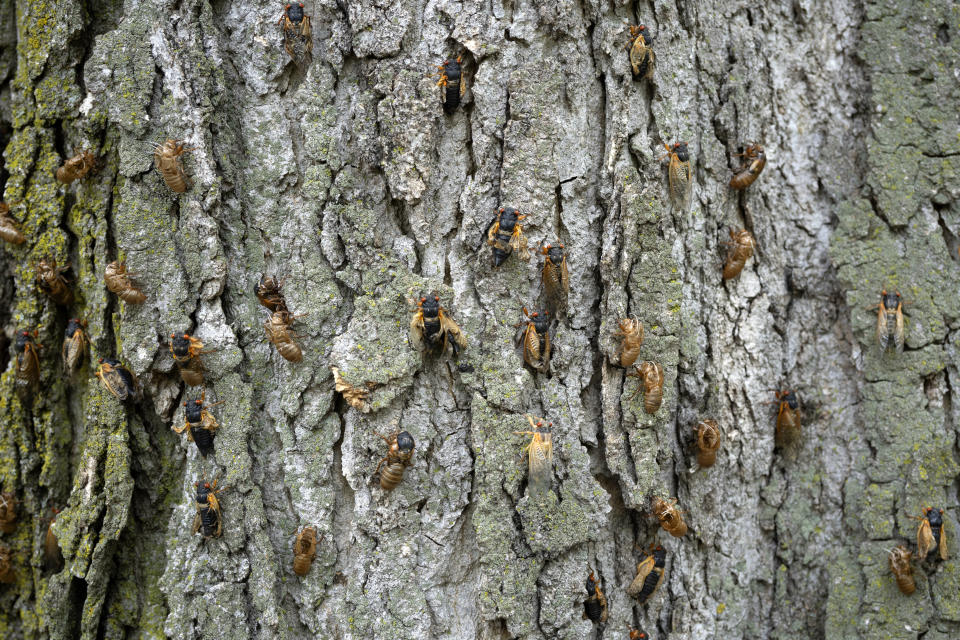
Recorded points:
186,352
679,174
651,376
451,83
539,454
431,329
670,517
8,227
535,339
52,556
649,576
51,281
304,550
7,573
76,167
899,559
754,160
118,281
708,441
889,320
742,245
505,234
641,55
117,379
75,343
269,293
399,454
555,278
278,332
201,427
930,533
166,157
636,634
209,518
297,34
788,418
28,362
595,606
631,330
8,512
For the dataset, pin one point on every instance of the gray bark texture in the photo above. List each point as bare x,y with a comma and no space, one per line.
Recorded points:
343,176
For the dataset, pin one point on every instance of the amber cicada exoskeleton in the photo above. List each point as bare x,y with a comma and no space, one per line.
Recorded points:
889,320
649,576
7,573
708,441
297,35
506,234
539,454
118,281
788,418
269,293
651,377
631,330
555,278
595,606
51,281
670,517
279,333
166,157
8,227
432,329
742,245
679,174
899,560
754,160
535,338
8,512
452,83
76,167
209,518
304,550
201,427
74,348
930,533
399,454
641,55
117,379
356,397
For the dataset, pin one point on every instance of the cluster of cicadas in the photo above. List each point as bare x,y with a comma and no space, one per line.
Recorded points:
931,537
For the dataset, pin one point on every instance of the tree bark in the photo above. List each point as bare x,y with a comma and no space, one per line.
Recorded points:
343,176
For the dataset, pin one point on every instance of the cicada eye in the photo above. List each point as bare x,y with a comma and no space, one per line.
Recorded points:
171,335
184,404
206,485
198,402
423,300
196,484
501,209
436,298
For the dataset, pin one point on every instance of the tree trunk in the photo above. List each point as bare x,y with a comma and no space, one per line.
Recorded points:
343,176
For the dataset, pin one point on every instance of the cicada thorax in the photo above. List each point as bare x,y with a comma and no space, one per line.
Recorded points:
708,441
742,244
166,157
51,281
8,227
899,559
641,55
398,458
451,83
304,550
74,346
76,167
556,278
680,173
595,606
632,331
754,160
649,576
506,234
118,282
788,418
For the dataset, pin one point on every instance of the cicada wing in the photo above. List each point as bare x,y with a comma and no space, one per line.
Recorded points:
518,242
416,331
452,332
898,331
883,334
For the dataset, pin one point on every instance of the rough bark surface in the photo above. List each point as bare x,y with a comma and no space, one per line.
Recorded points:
344,177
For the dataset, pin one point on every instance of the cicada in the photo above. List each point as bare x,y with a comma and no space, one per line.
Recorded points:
651,375
742,244
788,418
505,234
556,278
536,340
399,454
269,294
8,512
432,329
680,174
632,331
649,576
118,281
889,320
201,427
51,281
754,160
669,517
278,332
708,441
166,157
930,533
595,606
641,55
74,348
209,518
304,550
76,167
539,454
8,227
356,397
297,35
186,352
117,379
451,80
899,559
28,362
